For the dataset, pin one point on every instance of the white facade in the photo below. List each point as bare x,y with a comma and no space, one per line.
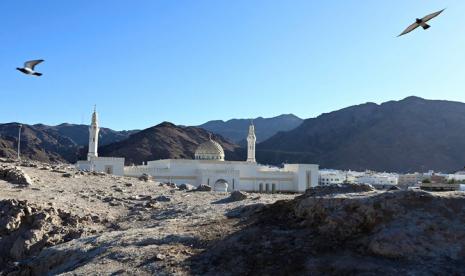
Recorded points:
230,175
331,177
458,176
93,136
409,179
110,165
378,178
251,141
209,168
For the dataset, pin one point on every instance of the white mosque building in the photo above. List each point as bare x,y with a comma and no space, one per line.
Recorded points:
209,167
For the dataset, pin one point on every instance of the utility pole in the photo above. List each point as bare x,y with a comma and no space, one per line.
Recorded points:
19,141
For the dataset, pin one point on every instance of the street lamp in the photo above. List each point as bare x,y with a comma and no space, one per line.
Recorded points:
19,140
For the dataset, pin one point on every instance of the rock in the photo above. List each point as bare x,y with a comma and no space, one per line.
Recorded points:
14,175
162,198
152,205
160,257
203,188
26,229
145,177
185,186
338,189
334,232
238,196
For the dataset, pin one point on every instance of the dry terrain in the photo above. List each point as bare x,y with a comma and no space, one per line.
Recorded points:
59,221
120,225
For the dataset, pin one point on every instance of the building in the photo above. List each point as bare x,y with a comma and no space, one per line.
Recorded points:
209,167
409,179
378,179
329,177
110,165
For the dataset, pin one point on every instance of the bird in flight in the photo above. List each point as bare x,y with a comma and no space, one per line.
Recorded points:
28,68
421,22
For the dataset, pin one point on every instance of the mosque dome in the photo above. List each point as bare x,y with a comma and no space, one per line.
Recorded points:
209,150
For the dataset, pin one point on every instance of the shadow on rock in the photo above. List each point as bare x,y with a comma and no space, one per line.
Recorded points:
395,232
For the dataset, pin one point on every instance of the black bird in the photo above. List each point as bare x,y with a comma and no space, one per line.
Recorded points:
29,67
421,22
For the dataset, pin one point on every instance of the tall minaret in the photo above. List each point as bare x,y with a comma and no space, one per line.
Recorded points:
251,139
93,136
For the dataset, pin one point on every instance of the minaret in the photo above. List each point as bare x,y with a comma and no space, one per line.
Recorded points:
251,139
93,136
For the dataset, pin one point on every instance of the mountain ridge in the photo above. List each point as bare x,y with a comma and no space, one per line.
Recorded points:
237,129
412,134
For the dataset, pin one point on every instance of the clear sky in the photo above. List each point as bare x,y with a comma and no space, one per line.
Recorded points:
144,62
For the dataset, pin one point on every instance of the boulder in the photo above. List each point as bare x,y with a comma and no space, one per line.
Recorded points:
203,188
25,229
162,198
186,187
15,175
238,196
145,177
338,189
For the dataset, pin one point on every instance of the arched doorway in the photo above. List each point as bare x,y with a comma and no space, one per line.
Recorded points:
221,185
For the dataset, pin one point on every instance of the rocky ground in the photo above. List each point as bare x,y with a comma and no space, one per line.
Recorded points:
66,221
63,222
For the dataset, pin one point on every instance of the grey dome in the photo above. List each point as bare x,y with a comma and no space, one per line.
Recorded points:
209,150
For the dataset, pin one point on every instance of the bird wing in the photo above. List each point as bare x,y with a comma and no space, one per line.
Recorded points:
410,28
32,63
431,16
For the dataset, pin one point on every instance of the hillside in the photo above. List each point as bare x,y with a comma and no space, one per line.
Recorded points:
163,141
63,143
412,134
79,134
237,129
37,144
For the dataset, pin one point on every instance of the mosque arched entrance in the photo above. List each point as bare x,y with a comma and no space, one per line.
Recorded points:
221,185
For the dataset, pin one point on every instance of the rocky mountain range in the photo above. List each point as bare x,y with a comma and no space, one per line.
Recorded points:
166,140
63,143
409,135
236,130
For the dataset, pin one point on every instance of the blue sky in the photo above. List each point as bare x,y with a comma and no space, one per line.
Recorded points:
144,62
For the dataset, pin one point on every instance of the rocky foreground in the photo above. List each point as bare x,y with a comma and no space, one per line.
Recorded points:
63,221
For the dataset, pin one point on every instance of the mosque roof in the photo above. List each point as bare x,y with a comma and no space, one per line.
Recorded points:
210,148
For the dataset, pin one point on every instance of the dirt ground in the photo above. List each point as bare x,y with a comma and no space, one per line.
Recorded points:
72,223
135,227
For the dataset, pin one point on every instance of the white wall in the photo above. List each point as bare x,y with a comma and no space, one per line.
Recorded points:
244,176
101,164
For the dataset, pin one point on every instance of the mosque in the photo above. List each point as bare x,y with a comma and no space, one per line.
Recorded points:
209,167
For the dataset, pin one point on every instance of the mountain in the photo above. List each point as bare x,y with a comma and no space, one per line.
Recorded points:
63,143
409,135
79,134
37,144
164,141
237,129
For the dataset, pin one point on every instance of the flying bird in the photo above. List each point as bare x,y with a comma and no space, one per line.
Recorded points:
28,68
421,22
